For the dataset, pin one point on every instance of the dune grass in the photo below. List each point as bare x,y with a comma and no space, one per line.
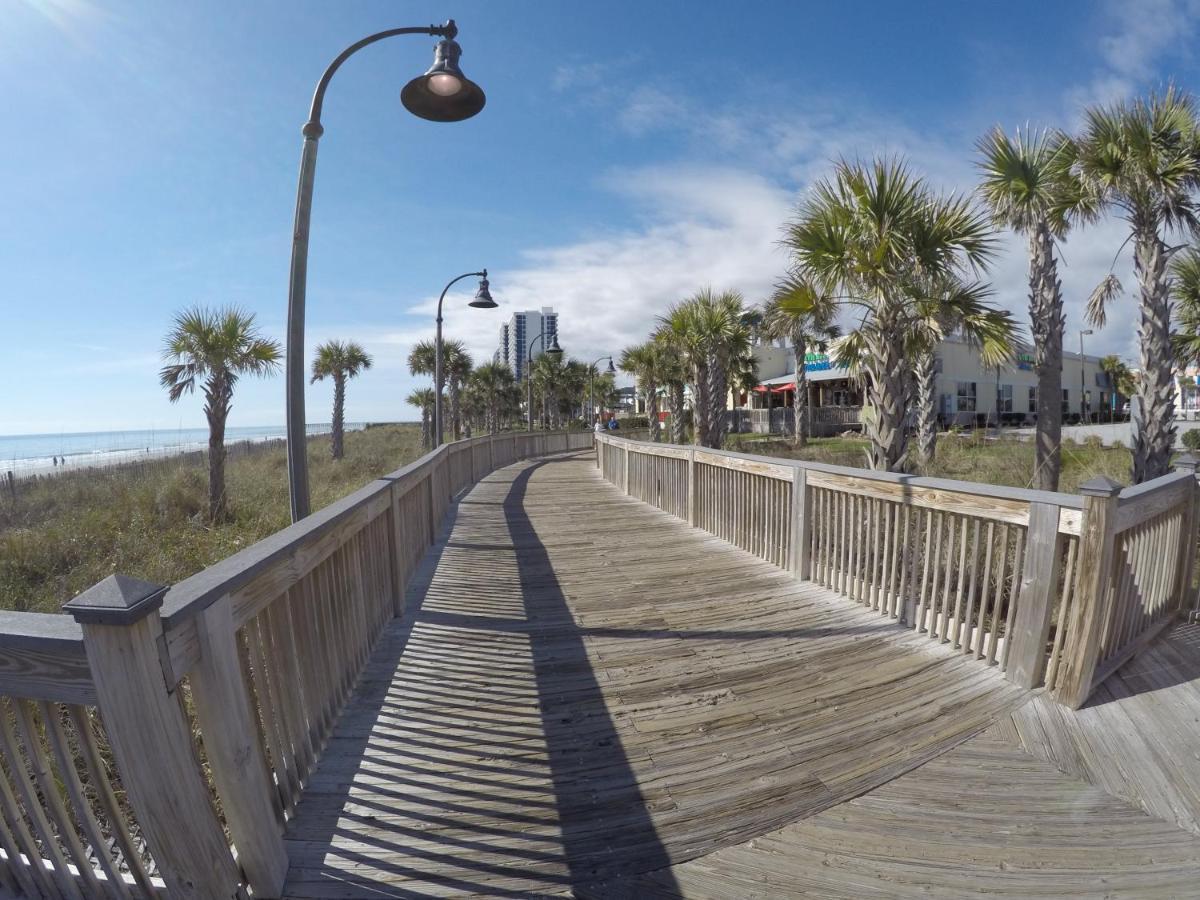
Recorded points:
966,457
66,533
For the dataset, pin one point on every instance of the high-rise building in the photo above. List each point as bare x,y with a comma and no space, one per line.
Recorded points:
521,330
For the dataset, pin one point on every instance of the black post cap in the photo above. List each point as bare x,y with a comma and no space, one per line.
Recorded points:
117,600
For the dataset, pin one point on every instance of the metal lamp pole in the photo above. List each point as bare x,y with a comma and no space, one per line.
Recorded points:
483,300
552,350
1082,381
442,94
591,392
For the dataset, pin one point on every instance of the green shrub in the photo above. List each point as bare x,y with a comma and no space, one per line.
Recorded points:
1191,439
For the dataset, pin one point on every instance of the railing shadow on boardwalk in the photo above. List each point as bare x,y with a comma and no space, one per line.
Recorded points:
545,795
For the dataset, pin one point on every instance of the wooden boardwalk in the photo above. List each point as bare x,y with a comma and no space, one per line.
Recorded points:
588,696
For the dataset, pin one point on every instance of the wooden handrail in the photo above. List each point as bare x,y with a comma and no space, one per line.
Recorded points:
256,654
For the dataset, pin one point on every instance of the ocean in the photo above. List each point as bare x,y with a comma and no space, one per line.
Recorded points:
35,454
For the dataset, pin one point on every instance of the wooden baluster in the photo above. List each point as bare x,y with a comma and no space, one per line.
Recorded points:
1094,595
235,757
801,513
1184,592
151,739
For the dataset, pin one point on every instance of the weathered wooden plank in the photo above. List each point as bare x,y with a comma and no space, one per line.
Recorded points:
42,658
1034,599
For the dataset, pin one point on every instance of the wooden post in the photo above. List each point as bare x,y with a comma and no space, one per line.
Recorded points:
1093,599
801,524
151,739
396,549
1035,599
626,484
1184,591
234,754
691,486
491,453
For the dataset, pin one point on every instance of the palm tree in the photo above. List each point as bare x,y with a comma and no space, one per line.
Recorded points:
674,376
495,386
456,368
945,308
803,316
1029,186
864,236
1119,375
645,362
1143,160
215,348
341,362
422,398
709,333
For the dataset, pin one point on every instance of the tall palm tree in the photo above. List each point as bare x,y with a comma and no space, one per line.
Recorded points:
709,333
422,398
456,368
1029,186
863,236
803,316
1142,159
341,362
495,385
645,362
215,348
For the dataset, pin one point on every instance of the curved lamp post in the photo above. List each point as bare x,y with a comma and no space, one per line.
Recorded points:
483,300
591,392
442,94
1083,404
552,350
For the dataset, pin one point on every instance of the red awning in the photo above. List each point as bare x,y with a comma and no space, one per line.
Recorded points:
783,388
761,389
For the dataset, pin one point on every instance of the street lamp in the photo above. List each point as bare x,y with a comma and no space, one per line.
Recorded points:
1082,380
442,94
591,392
552,350
483,300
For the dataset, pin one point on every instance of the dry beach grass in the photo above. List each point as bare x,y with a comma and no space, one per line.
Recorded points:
63,534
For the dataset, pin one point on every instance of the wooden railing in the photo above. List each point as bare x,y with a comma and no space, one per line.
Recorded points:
1051,588
156,742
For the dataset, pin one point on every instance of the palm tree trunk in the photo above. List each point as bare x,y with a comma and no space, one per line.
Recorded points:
426,429
887,392
717,386
1154,429
339,414
700,408
652,409
800,405
455,406
675,407
925,385
216,410
1047,320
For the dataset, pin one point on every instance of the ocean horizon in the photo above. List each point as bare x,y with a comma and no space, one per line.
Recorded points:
40,454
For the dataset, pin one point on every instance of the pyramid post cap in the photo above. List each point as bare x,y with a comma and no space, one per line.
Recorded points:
1187,462
1101,486
117,600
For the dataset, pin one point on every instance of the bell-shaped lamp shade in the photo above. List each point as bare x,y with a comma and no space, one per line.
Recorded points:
483,297
554,349
444,93
611,370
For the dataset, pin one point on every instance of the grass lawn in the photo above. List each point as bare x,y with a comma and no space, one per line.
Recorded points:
68,532
969,457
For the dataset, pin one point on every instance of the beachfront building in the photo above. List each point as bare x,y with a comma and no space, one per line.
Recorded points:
522,329
967,392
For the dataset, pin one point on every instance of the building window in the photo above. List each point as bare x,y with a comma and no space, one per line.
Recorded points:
966,396
1005,398
1033,399
1066,404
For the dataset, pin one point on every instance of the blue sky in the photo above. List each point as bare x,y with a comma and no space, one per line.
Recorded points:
629,154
